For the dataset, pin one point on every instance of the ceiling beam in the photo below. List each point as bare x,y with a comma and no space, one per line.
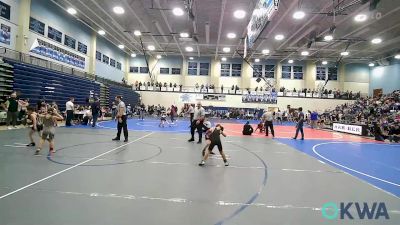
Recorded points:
169,26
221,20
81,13
119,31
132,11
366,25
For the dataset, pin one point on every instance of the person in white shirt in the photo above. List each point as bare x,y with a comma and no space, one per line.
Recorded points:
121,117
69,107
199,115
191,113
279,116
268,118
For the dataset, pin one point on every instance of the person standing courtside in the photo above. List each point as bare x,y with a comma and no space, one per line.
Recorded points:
299,126
121,117
95,106
69,107
191,113
199,114
268,118
12,110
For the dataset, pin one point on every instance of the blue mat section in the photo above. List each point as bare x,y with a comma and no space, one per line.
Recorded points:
375,163
180,126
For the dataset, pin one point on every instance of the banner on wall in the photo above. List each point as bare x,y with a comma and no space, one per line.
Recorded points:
5,34
265,98
214,97
5,10
190,98
51,51
259,19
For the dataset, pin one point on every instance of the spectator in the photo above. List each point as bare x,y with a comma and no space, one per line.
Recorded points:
314,119
95,106
69,107
394,133
11,106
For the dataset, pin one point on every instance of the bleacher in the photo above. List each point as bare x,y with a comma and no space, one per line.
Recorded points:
36,83
129,96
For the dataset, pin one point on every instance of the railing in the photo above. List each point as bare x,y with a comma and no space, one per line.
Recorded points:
240,91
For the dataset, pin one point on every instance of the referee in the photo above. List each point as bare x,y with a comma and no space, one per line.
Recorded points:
197,123
268,117
121,117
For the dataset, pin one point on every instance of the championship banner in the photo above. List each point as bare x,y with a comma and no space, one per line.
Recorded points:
214,97
262,13
190,98
266,98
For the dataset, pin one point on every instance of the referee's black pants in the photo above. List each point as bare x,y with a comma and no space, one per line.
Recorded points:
271,126
199,128
123,125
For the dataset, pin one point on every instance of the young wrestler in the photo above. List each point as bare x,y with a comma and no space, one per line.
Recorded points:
49,121
260,127
163,119
207,126
33,123
215,140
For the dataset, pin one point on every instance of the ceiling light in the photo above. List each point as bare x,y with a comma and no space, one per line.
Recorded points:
121,46
257,60
360,18
178,12
71,11
189,49
371,64
290,61
191,58
265,51
376,41
397,56
328,37
137,33
299,15
279,37
304,53
231,35
118,10
184,35
158,56
101,32
223,59
151,47
239,14
324,62
133,55
344,53
226,49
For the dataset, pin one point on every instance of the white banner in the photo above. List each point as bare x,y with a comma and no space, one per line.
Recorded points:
259,19
190,98
346,128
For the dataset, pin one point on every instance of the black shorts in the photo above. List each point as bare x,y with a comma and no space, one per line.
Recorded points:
210,148
163,119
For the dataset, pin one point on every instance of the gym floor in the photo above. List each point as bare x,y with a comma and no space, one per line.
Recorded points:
155,179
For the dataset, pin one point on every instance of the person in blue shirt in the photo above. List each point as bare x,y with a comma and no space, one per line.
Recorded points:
314,119
299,126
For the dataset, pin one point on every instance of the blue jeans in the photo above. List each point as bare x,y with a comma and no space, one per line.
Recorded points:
95,116
299,128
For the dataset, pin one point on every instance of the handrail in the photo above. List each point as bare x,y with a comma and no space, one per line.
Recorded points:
229,91
27,58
